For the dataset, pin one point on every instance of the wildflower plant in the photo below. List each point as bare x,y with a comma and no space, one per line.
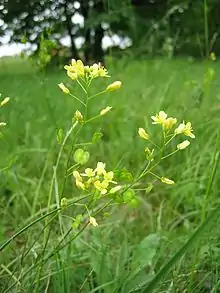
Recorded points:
169,131
97,181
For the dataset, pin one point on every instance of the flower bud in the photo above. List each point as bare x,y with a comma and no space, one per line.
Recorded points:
114,86
93,222
78,116
167,181
63,88
115,189
183,145
143,134
5,101
106,110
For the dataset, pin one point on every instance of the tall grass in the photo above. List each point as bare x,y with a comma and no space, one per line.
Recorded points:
135,248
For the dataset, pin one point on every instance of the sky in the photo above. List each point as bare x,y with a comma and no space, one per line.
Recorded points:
17,48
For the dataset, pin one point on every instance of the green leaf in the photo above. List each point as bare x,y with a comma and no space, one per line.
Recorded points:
145,252
142,258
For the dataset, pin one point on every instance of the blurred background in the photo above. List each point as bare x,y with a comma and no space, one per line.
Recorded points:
91,29
165,52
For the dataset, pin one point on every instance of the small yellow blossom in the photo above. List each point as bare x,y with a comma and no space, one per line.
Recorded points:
93,222
79,68
212,56
106,110
80,184
183,145
101,186
63,88
109,176
97,70
77,176
166,180
3,124
78,116
143,134
72,75
100,169
114,86
159,118
185,129
5,101
115,189
170,122
89,172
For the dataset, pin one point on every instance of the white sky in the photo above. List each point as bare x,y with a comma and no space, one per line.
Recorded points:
17,48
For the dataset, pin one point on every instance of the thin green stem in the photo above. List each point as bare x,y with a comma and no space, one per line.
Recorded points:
77,99
170,154
173,135
82,87
98,94
6,243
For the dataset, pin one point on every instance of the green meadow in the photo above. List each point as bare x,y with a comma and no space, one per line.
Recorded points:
138,246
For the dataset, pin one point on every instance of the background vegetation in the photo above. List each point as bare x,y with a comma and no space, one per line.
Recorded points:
130,247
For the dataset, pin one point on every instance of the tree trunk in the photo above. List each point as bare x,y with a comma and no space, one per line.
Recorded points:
98,53
74,53
87,31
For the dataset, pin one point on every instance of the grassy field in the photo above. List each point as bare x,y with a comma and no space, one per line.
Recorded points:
133,243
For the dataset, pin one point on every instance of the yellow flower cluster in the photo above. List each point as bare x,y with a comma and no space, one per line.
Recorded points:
162,119
168,123
98,179
77,70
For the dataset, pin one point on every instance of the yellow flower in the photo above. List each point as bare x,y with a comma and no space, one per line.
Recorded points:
78,116
89,172
77,176
63,88
97,70
109,176
115,189
170,122
103,71
185,129
93,222
212,56
143,134
3,124
94,70
183,145
159,118
114,86
72,75
100,169
5,101
80,184
101,186
106,110
79,68
166,180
